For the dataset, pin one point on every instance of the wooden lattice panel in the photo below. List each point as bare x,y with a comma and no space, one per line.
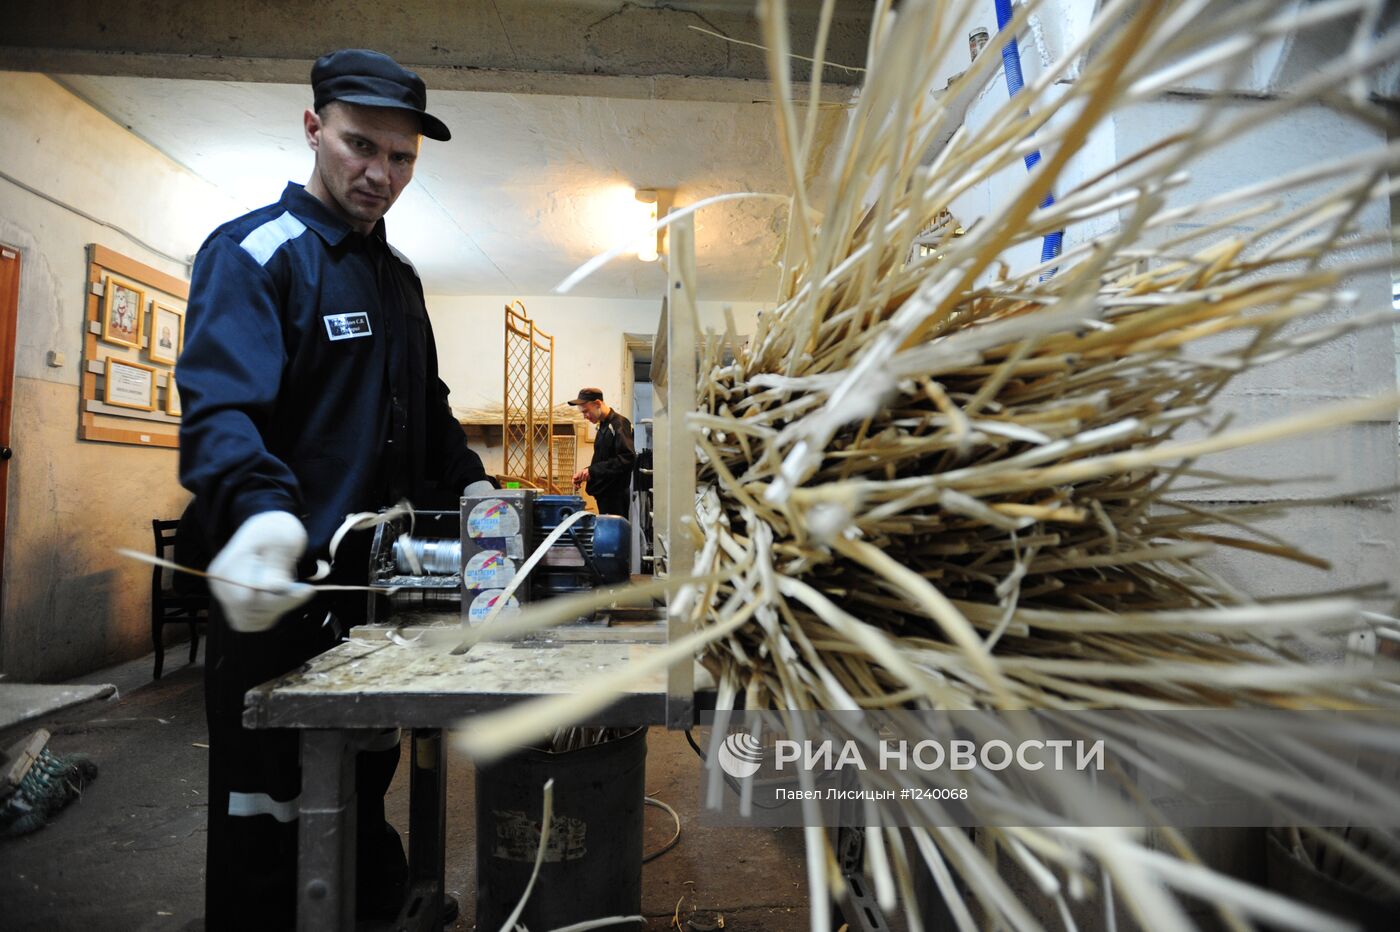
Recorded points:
565,461
528,419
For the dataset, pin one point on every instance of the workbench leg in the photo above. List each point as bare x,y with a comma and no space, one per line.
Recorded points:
326,832
427,832
858,908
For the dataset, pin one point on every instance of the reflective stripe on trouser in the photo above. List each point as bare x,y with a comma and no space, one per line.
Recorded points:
255,781
251,804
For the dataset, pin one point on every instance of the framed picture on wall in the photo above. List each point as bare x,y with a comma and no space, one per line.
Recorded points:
167,333
123,312
130,385
172,398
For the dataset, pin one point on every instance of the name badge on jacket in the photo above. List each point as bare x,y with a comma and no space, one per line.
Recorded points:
347,326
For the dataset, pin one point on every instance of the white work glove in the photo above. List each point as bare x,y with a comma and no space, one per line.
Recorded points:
478,488
263,554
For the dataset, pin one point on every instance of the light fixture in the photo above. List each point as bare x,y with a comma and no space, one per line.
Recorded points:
648,249
654,203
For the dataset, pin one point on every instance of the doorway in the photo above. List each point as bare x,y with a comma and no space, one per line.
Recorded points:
637,396
9,314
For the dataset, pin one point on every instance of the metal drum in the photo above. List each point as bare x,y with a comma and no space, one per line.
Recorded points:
593,864
437,557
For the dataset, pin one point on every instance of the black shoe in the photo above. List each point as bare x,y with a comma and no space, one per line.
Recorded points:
387,909
380,904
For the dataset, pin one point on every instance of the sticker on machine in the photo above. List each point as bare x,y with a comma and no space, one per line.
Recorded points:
485,601
492,517
489,569
513,547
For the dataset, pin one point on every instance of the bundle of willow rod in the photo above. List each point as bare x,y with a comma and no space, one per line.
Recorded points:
573,739
933,481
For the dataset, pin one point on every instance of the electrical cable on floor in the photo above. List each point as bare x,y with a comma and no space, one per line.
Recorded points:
185,262
690,739
653,801
730,781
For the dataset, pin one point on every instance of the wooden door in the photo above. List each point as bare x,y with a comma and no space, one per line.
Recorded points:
9,313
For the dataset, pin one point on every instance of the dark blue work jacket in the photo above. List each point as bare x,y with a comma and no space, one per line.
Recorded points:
309,378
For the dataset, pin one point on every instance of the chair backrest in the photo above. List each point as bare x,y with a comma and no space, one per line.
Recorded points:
164,532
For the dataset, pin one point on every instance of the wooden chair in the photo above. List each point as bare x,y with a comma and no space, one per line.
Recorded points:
169,603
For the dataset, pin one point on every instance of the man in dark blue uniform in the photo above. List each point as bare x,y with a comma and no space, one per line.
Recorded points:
609,475
310,388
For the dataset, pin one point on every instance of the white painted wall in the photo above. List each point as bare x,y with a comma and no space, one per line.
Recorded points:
588,341
588,344
70,604
589,347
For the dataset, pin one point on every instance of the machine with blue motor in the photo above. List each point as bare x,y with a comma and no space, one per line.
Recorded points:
455,565
595,550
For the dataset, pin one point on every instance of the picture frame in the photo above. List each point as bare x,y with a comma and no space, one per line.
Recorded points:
129,385
166,333
172,398
123,312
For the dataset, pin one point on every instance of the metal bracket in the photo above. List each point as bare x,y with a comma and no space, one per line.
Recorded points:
858,907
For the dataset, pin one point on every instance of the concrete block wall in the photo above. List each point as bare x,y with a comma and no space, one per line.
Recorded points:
1359,533
1357,462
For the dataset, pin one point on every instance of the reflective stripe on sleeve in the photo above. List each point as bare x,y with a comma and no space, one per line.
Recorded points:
263,242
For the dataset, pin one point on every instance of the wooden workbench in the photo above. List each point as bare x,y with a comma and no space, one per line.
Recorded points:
21,703
374,681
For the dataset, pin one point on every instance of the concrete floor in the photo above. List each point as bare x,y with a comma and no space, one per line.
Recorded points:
130,853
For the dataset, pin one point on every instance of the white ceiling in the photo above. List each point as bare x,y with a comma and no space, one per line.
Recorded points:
521,195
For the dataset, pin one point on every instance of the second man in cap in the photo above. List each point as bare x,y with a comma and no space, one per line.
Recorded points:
609,476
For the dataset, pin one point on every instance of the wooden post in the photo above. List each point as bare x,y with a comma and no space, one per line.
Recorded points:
677,465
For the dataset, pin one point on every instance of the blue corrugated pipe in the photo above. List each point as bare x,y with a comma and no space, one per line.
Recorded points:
1011,64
